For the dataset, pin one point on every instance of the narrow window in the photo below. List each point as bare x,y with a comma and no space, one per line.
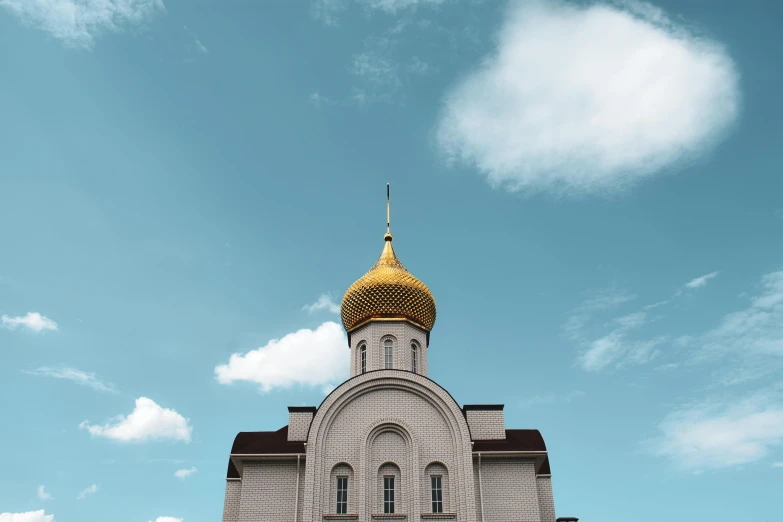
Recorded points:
437,494
413,359
342,495
387,352
388,494
363,357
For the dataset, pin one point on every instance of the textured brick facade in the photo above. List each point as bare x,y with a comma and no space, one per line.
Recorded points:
231,502
486,424
299,424
403,335
390,423
546,501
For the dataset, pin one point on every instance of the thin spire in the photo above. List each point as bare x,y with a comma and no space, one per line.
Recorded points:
388,210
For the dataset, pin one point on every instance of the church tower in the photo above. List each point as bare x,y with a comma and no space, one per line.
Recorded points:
389,443
388,315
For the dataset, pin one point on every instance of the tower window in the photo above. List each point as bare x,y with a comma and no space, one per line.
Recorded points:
437,493
414,361
363,358
342,495
388,494
388,354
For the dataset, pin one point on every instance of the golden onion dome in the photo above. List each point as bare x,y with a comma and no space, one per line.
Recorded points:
387,292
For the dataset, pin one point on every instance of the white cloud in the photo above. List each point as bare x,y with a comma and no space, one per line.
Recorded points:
185,473
79,22
701,281
89,490
148,421
29,516
33,320
327,10
43,494
751,339
374,68
616,348
312,357
583,99
75,375
777,464
715,434
318,100
324,302
168,519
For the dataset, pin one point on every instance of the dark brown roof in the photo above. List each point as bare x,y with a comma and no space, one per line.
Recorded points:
256,442
232,470
260,442
516,440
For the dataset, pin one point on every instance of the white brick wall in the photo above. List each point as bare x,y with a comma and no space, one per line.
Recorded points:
268,491
298,424
403,334
486,424
509,488
231,502
546,501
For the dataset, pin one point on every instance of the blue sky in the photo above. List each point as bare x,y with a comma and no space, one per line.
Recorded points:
591,191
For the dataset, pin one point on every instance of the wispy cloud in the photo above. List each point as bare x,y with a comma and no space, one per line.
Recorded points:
78,23
29,516
43,494
717,434
168,519
777,464
185,473
32,321
311,357
324,302
86,492
701,281
328,11
148,421
589,98
750,338
75,375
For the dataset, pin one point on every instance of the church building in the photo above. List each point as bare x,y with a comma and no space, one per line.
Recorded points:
389,443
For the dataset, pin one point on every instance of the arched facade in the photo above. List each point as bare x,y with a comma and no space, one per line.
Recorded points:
389,417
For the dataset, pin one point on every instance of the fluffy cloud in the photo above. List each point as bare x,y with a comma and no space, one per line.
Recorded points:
185,473
86,492
312,357
75,375
79,22
43,494
168,519
327,10
595,98
701,281
30,516
148,421
324,302
714,434
33,321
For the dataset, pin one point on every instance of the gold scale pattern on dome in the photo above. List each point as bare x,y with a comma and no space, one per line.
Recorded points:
388,292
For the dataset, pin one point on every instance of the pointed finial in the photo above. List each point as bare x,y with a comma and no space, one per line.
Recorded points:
388,236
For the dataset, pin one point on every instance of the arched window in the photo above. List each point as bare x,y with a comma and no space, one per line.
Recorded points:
363,358
414,358
437,482
388,354
389,475
341,479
